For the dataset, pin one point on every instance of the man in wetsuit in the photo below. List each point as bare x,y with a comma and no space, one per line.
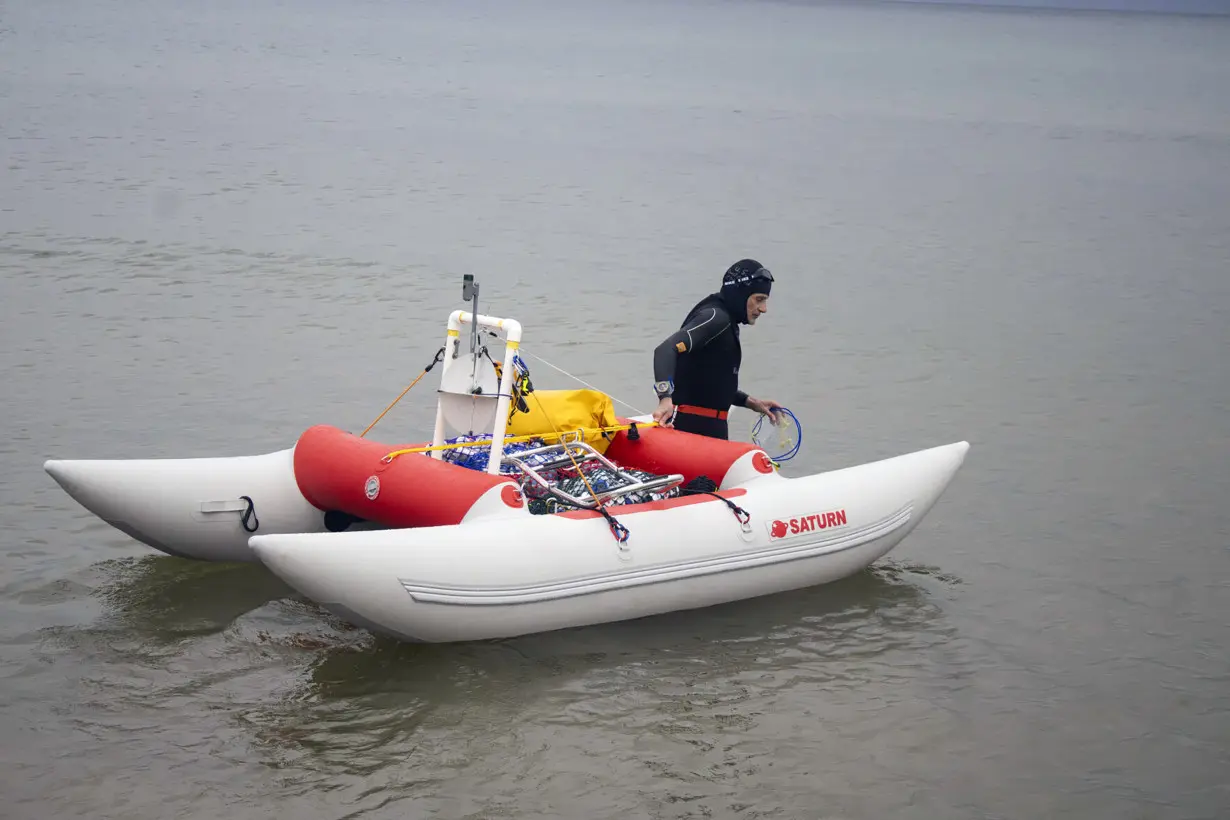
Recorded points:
696,368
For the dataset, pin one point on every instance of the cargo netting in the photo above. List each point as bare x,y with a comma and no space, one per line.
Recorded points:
566,478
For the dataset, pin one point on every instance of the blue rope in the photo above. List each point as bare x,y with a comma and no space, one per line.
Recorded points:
790,453
477,457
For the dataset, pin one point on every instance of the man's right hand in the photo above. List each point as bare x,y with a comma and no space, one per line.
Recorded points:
666,409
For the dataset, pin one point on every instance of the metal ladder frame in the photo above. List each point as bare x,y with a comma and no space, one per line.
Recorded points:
577,453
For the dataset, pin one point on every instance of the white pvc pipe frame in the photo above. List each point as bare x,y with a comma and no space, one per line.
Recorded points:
512,333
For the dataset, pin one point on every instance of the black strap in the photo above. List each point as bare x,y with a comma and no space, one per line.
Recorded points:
620,532
249,515
743,515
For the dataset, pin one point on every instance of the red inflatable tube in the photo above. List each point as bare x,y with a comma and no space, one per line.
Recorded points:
337,470
661,450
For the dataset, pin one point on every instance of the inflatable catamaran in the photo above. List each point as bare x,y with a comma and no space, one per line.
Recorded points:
529,510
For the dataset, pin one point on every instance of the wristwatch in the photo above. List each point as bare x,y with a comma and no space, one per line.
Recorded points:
664,388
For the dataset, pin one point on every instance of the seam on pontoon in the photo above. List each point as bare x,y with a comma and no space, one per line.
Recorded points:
589,585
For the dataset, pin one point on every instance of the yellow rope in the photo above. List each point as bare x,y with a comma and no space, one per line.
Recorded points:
390,407
515,439
568,452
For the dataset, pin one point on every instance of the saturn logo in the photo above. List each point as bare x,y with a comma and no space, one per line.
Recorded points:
785,528
372,488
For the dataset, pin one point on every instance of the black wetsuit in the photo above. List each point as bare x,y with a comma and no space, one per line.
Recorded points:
702,360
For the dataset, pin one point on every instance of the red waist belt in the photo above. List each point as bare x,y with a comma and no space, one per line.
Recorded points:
708,412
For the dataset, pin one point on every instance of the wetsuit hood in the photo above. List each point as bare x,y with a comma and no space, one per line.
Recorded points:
742,279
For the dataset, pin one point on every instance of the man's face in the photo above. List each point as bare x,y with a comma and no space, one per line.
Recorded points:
757,304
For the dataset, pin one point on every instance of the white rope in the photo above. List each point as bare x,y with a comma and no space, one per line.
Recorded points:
582,381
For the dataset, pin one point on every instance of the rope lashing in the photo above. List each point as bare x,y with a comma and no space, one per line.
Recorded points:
426,370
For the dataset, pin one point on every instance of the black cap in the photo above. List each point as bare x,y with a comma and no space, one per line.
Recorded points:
742,279
748,275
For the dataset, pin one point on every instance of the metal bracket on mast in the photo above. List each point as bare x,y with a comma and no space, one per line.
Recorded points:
469,293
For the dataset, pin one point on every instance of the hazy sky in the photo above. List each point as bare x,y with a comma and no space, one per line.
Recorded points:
1178,6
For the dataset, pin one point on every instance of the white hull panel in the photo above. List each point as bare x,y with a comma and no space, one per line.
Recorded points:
504,575
192,507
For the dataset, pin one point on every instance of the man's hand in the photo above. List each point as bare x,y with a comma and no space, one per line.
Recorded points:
666,409
766,406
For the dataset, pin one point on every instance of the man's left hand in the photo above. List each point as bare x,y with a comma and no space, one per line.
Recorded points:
766,406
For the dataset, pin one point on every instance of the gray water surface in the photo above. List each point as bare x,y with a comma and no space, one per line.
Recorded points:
222,223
